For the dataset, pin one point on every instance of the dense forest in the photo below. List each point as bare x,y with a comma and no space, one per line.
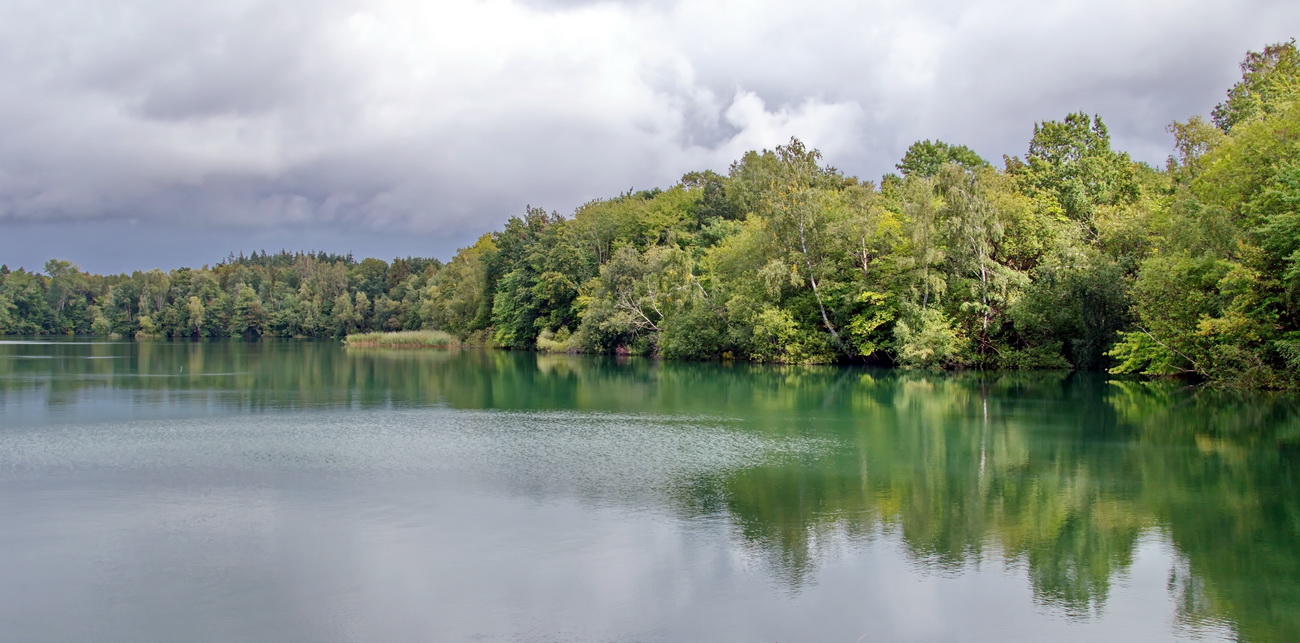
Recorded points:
1072,256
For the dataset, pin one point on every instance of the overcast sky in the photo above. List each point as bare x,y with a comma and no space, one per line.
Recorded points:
156,133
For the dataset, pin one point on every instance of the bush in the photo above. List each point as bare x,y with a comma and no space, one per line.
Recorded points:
779,338
699,333
927,340
561,341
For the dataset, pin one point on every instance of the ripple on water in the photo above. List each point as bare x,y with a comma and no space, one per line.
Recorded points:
532,449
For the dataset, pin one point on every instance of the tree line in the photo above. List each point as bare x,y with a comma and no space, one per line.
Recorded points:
1072,256
273,295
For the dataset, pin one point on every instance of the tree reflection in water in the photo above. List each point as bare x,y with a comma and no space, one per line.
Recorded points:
1061,474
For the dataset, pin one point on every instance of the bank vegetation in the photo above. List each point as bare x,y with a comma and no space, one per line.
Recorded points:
1072,256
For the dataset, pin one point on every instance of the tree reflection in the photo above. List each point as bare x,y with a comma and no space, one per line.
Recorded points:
1060,474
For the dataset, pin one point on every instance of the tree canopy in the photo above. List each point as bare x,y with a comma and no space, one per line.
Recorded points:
1072,256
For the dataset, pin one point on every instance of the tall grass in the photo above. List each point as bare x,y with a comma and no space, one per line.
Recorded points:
404,339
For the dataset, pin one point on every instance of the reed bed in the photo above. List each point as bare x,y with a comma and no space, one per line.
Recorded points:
404,339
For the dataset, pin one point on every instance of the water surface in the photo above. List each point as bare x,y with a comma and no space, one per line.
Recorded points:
289,491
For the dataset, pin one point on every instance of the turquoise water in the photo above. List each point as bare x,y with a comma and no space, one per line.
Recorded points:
293,491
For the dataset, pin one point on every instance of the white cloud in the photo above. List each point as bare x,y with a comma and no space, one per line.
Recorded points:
447,117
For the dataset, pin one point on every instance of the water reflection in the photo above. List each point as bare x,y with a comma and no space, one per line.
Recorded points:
1066,476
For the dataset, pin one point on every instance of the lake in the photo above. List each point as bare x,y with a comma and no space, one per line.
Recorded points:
302,491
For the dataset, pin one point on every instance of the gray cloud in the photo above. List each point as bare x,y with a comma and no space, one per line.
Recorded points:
388,117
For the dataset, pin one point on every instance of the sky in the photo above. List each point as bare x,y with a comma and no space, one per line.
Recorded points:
140,134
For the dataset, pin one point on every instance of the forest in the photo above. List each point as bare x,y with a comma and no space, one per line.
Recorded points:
1074,256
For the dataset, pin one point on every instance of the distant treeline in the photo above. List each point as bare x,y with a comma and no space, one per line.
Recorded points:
287,294
1074,256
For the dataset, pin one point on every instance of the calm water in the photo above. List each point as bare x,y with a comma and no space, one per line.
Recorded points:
288,491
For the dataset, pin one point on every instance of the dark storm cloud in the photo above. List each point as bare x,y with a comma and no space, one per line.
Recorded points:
441,119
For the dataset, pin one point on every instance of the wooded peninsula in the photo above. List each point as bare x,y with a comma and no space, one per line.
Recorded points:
1074,256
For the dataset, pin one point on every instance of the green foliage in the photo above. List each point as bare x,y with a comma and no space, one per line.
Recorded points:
1072,162
7,321
1139,352
561,341
865,330
514,311
1237,168
285,294
1045,356
459,293
344,314
147,329
1220,301
711,206
1192,141
1075,255
1268,78
699,332
247,318
635,297
926,339
924,158
604,328
403,339
1177,300
1276,209
101,327
972,231
778,338
1077,309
